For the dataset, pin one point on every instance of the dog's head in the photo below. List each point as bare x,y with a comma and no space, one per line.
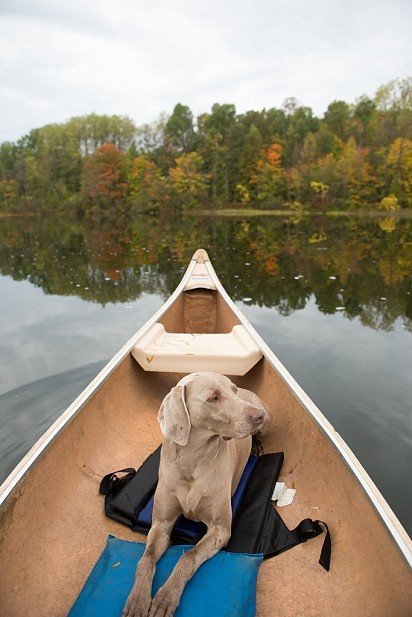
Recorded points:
207,401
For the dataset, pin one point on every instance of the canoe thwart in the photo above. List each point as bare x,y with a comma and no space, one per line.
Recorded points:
232,353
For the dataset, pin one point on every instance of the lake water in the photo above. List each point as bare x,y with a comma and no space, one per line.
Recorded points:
331,296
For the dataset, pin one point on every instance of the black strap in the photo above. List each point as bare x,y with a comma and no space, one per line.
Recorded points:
110,479
326,551
310,529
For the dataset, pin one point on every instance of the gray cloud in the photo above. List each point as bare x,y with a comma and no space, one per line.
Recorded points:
60,59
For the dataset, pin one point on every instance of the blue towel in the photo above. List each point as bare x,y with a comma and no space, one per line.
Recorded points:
224,586
190,529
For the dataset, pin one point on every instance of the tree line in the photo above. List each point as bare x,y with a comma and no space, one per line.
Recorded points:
356,155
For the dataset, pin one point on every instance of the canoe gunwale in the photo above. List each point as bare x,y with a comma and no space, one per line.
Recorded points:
389,519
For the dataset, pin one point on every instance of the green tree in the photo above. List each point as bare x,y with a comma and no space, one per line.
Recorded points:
337,119
300,123
216,133
363,114
180,130
250,154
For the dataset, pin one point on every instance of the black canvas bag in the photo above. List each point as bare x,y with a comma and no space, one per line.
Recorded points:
257,527
126,495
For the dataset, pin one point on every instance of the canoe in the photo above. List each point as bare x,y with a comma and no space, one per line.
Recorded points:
52,525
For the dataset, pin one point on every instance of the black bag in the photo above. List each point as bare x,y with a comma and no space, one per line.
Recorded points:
256,528
126,495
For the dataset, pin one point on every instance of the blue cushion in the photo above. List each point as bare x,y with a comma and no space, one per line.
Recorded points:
223,586
190,529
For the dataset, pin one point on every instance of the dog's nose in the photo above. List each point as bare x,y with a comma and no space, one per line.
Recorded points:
257,415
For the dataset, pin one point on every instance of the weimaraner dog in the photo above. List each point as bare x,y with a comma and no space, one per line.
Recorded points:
207,423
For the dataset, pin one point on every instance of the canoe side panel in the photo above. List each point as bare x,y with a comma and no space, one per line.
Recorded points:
368,576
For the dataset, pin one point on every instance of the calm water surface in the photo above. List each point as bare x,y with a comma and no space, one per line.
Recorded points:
332,297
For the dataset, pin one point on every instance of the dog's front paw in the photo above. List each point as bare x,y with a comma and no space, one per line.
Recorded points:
137,605
164,603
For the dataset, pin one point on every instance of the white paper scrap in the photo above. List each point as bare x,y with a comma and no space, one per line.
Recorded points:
284,496
279,487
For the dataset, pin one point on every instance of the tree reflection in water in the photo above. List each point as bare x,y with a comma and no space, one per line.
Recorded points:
360,267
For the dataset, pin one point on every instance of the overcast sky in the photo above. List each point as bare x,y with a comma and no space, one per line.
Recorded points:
139,58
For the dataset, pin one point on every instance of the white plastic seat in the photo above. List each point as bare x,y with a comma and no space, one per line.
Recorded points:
234,353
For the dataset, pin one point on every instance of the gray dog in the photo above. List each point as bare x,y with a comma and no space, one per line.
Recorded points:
207,423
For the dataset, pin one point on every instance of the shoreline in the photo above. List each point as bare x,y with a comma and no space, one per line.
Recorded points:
405,213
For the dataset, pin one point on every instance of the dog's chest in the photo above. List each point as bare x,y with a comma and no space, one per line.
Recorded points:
189,499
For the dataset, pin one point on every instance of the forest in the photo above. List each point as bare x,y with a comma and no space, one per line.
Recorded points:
357,156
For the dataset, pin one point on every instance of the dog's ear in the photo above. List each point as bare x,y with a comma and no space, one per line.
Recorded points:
173,416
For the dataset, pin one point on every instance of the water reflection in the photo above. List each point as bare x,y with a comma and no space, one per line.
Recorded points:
358,267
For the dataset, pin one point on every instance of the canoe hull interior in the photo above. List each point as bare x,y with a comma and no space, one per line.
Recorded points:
53,528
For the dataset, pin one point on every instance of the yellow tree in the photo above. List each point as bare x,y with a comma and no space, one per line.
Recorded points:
147,186
399,166
355,170
188,179
347,174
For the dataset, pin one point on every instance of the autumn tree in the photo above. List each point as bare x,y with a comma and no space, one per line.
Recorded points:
269,177
399,166
347,174
104,178
146,185
188,180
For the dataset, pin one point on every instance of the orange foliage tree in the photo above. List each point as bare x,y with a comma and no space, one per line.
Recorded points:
104,177
269,177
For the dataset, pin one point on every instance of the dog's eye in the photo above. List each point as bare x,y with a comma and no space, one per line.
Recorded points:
211,399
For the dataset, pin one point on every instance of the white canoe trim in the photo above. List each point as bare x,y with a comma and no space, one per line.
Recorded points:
375,497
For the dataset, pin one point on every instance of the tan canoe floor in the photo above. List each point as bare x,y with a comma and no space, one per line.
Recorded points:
53,528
